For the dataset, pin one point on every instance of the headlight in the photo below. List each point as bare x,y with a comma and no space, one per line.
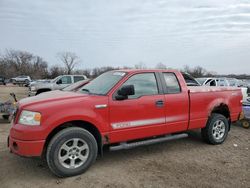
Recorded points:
32,88
30,118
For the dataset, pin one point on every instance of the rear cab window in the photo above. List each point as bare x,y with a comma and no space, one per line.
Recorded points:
172,83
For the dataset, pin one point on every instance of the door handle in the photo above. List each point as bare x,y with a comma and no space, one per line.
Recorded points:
159,103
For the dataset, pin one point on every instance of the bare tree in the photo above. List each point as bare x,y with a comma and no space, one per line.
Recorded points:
55,71
86,72
197,71
140,65
70,60
16,62
161,66
97,71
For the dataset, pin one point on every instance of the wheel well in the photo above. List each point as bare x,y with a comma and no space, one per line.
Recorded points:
223,110
42,90
81,124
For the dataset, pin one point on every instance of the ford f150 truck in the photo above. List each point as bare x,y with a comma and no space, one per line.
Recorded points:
120,109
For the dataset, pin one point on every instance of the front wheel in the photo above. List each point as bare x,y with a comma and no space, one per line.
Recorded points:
6,117
26,81
216,129
71,152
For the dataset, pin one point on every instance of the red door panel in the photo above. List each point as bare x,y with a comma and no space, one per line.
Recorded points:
136,118
177,110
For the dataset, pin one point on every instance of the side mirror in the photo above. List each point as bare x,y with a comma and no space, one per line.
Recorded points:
59,81
125,91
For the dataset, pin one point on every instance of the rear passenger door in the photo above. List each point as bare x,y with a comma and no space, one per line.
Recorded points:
176,102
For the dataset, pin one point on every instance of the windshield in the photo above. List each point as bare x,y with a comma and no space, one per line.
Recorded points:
103,83
55,79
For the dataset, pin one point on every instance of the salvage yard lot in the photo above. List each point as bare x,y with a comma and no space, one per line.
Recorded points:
187,162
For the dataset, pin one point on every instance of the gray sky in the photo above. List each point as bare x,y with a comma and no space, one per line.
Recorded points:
212,33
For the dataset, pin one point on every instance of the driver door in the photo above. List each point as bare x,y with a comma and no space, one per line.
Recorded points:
140,115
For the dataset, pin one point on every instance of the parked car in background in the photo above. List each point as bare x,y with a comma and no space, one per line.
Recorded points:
21,80
76,86
33,82
235,82
2,80
59,82
213,81
225,82
246,83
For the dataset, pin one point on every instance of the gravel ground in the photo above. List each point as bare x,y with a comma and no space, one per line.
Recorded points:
187,162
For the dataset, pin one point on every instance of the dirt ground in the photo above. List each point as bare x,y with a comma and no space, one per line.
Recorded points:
187,162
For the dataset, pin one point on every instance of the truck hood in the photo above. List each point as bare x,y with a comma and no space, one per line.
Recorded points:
50,96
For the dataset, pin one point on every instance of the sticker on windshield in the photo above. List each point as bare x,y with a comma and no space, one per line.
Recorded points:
119,73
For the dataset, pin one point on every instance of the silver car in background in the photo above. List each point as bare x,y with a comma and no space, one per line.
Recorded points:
21,80
59,82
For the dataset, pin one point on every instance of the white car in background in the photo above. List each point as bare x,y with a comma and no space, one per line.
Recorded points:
213,81
233,82
21,80
57,83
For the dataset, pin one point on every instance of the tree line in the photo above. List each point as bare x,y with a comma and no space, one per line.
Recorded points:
16,62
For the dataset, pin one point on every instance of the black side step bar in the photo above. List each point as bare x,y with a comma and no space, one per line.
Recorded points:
125,145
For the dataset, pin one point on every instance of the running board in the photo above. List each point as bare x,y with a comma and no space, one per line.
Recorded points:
125,145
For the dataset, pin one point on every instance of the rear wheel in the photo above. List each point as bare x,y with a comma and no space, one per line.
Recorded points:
216,129
71,152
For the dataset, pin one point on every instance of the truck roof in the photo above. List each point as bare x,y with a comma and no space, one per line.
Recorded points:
146,70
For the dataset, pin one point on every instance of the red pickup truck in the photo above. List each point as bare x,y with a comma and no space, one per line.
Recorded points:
120,109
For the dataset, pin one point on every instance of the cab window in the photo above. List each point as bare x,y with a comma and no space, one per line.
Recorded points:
171,83
144,84
65,80
78,78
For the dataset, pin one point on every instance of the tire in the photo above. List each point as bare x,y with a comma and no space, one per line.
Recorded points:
245,123
41,91
27,81
62,147
216,130
6,117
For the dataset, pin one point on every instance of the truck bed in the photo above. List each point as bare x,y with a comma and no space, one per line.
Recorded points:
203,99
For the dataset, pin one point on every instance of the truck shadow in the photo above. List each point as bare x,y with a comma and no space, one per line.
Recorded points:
31,166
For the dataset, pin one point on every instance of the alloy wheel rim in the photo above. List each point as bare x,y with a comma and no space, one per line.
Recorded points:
73,153
218,129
